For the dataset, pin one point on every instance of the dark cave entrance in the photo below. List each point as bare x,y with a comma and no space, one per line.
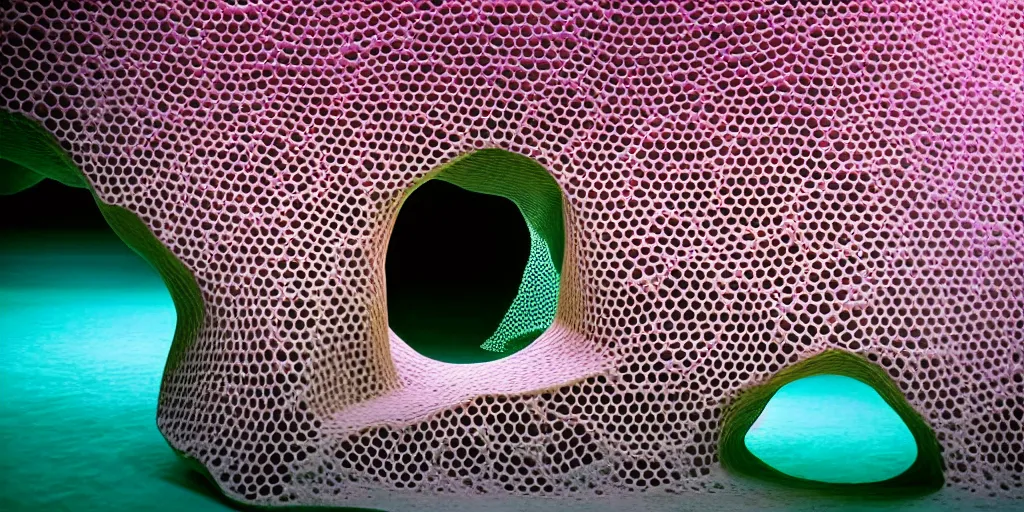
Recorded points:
455,261
474,260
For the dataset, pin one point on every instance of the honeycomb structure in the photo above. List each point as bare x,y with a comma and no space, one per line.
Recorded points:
746,184
536,301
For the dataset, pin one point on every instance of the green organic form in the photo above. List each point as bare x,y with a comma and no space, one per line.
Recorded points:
923,476
29,154
535,304
527,184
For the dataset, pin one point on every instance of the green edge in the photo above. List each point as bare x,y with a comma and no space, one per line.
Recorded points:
26,147
30,154
526,183
533,190
922,477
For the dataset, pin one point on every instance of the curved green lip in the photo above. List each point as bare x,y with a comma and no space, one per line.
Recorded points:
29,154
922,477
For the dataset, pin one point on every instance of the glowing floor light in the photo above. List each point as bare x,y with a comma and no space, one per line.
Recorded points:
85,326
834,429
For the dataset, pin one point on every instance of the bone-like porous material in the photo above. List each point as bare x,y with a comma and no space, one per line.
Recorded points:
746,184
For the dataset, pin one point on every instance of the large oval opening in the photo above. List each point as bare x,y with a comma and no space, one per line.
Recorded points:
834,422
474,259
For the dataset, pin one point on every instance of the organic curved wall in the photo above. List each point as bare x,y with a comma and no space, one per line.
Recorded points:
746,185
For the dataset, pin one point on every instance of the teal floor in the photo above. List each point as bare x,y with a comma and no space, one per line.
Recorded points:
834,429
85,326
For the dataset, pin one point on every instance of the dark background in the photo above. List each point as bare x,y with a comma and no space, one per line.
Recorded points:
454,263
51,205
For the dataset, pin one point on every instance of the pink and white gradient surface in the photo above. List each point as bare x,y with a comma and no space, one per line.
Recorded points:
746,184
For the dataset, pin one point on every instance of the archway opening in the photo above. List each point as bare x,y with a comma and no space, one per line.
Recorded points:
453,267
474,259
86,326
833,429
835,422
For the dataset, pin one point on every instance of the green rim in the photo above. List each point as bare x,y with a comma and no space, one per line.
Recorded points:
539,199
29,154
922,477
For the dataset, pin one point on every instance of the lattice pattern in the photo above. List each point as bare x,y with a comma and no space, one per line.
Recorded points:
536,302
746,185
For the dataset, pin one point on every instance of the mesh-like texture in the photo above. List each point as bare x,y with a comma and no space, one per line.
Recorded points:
539,200
746,185
536,301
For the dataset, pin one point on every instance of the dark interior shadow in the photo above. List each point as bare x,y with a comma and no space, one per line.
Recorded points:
177,472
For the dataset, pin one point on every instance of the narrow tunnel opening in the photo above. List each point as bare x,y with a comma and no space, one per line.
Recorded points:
454,265
474,259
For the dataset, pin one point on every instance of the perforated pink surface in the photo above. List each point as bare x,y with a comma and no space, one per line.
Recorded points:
746,185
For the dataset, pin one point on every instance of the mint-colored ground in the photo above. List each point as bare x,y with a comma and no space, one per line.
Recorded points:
85,326
831,428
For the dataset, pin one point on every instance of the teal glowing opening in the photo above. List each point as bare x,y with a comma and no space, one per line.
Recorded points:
528,312
834,429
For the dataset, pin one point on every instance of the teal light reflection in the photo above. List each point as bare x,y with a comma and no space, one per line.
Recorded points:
85,326
834,429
